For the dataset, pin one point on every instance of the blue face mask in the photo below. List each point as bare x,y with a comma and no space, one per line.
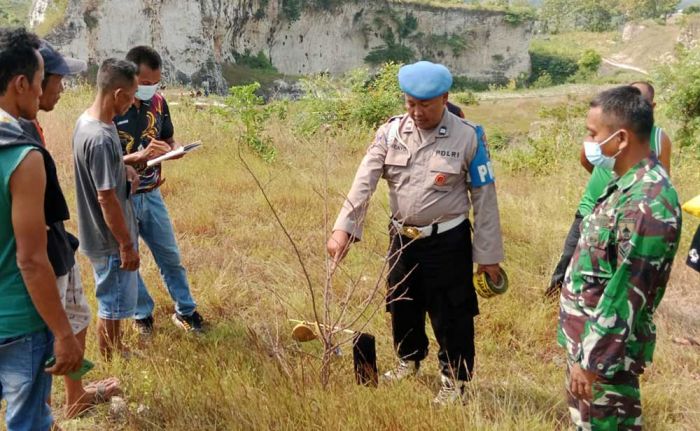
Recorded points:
594,153
146,92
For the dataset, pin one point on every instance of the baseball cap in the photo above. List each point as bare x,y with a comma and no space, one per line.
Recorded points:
56,64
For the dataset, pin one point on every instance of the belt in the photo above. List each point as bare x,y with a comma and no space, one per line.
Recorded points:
419,232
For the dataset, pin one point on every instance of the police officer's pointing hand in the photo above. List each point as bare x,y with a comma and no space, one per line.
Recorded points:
338,245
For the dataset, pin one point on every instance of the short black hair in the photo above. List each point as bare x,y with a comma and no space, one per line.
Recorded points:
625,107
115,73
647,84
18,55
145,55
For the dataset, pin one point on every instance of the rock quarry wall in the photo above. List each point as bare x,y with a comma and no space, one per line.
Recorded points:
195,37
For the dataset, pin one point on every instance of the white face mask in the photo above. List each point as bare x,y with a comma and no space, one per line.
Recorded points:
594,153
146,92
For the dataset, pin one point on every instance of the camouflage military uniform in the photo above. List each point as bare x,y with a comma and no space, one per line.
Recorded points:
613,286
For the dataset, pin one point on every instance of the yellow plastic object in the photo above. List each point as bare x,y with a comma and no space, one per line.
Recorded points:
692,207
486,288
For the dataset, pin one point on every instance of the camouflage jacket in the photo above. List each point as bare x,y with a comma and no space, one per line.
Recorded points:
619,272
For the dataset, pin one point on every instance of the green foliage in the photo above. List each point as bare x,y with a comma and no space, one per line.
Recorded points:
376,101
291,9
429,45
600,15
544,80
14,12
261,12
392,52
680,82
558,67
641,9
463,83
691,10
547,147
259,61
249,108
553,68
590,61
407,25
498,140
357,99
465,98
517,16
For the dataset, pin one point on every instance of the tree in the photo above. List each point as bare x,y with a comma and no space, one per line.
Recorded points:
637,9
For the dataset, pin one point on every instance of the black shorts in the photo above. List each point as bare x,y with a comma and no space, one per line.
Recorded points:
694,253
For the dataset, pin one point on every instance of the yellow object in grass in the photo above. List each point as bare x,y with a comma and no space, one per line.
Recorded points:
692,207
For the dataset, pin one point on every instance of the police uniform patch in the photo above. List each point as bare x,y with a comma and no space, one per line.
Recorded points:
440,179
442,132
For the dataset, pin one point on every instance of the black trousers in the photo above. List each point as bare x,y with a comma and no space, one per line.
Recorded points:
434,276
566,255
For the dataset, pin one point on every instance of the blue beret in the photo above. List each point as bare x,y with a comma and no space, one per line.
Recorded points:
425,80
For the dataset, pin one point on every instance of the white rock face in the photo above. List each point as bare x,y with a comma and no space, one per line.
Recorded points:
196,36
38,12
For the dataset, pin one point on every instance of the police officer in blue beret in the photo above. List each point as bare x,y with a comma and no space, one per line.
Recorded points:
437,168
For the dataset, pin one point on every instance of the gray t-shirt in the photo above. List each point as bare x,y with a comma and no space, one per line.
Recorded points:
97,154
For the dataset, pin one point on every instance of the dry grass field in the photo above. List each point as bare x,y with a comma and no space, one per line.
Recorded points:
247,373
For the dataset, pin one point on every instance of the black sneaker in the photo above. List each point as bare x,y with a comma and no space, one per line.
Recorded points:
191,323
144,326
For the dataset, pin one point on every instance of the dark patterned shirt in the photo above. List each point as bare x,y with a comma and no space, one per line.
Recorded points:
136,130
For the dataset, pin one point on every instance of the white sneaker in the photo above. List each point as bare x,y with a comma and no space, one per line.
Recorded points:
451,392
403,370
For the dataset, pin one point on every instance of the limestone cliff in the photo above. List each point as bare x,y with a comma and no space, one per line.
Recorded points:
196,37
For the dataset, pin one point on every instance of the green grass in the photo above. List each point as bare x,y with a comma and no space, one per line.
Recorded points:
238,74
14,12
247,373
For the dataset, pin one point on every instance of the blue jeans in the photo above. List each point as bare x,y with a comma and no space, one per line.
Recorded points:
115,289
157,232
23,382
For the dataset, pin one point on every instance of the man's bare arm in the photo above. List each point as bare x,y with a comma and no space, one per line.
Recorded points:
114,218
27,185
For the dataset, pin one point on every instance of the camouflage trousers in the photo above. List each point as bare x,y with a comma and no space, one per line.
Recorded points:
616,405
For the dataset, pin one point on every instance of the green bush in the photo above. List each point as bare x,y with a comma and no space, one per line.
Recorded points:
543,81
395,53
248,107
589,61
357,99
381,98
559,67
691,10
258,62
466,98
680,82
